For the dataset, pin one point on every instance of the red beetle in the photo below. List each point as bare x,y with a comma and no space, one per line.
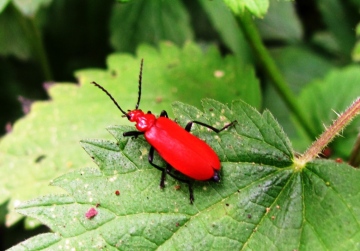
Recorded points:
180,149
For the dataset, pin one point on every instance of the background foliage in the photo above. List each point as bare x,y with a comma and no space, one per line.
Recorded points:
192,50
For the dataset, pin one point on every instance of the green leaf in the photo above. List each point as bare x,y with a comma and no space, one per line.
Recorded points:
356,50
256,7
339,23
273,27
150,22
262,202
14,28
40,241
324,99
30,8
3,4
44,144
230,32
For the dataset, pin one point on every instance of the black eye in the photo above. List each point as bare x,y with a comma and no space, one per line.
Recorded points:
149,112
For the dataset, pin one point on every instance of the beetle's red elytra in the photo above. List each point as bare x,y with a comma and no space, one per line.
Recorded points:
181,150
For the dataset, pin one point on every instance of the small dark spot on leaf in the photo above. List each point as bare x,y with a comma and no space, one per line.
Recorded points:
97,205
227,204
171,65
113,73
158,99
339,160
40,158
117,192
211,109
249,216
177,224
238,191
177,187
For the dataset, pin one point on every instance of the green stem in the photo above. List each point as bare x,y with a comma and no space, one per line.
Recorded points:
268,65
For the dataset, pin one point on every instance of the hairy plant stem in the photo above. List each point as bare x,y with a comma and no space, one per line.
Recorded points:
268,65
339,124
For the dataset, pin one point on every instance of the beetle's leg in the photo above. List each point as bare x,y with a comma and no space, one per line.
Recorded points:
163,170
134,134
189,125
188,182
167,170
164,114
191,193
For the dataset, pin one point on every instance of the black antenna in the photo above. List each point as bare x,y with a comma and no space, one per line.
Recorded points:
140,79
104,90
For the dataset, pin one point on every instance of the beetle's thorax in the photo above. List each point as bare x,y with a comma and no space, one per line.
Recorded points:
144,121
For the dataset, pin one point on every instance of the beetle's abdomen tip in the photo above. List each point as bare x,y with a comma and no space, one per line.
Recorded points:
216,176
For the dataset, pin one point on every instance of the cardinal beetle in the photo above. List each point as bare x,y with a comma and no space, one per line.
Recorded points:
181,150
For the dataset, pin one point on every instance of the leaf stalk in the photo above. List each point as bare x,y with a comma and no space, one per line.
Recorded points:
326,137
